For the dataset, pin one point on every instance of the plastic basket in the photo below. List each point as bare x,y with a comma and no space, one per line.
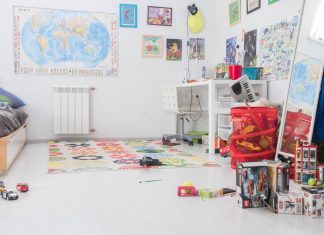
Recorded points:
254,135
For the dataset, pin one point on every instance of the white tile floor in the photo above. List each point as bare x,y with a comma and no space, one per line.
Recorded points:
116,203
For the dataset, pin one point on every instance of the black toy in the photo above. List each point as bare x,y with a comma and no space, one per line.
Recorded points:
148,161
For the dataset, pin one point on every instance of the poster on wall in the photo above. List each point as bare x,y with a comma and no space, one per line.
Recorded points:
276,48
128,15
250,58
174,49
231,50
302,102
64,42
152,46
234,9
197,48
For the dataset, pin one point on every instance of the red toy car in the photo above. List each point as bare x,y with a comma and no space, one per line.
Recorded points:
22,187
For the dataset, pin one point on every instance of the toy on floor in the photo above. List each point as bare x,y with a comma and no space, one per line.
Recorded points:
22,187
169,143
9,195
148,161
2,187
187,189
225,152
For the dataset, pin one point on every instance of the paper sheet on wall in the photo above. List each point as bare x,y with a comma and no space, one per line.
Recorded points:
276,47
61,42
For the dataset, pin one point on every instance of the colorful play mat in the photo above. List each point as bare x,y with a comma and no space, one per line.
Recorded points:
90,155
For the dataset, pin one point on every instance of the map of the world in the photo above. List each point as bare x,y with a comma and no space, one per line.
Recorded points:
59,42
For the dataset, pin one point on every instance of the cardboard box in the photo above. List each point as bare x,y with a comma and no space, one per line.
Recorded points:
252,184
290,203
279,177
313,201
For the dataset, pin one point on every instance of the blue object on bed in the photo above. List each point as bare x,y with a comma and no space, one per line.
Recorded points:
14,101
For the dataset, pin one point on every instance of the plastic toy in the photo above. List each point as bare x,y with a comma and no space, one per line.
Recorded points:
305,162
148,161
185,191
22,187
311,182
10,195
225,152
2,187
249,146
210,193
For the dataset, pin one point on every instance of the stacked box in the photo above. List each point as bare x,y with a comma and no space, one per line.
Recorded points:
291,203
252,185
313,201
279,176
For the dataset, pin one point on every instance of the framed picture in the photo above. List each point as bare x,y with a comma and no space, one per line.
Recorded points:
152,46
174,49
234,12
197,49
272,1
250,43
128,15
252,5
159,16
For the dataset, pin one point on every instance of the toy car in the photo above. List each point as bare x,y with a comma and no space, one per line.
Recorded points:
22,187
148,161
10,195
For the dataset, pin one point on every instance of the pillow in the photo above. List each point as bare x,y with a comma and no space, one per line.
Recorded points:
10,98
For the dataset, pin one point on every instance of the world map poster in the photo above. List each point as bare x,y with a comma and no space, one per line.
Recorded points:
61,42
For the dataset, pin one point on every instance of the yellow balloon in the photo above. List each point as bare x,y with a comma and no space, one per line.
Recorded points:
196,22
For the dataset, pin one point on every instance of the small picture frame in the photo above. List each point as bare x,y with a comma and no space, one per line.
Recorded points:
152,46
173,49
159,16
234,9
272,1
252,5
128,15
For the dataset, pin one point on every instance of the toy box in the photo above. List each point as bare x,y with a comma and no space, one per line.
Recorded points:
313,201
305,162
279,177
252,186
291,203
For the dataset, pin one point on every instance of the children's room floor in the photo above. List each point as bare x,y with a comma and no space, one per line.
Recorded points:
115,202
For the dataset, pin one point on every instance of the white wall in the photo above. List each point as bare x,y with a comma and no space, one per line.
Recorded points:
267,15
126,106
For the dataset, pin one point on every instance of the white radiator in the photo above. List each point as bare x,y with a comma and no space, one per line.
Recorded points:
71,109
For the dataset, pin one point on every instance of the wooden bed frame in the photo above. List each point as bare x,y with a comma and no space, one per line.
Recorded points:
11,146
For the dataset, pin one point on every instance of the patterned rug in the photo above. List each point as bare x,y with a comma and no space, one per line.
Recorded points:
87,156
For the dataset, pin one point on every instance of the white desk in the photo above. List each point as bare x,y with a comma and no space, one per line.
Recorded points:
213,86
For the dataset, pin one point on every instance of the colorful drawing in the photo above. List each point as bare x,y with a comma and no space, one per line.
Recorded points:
128,15
61,42
231,50
197,48
276,47
104,160
272,1
252,5
152,46
234,12
302,101
159,16
174,49
250,58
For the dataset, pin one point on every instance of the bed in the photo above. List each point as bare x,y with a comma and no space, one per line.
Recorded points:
13,134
